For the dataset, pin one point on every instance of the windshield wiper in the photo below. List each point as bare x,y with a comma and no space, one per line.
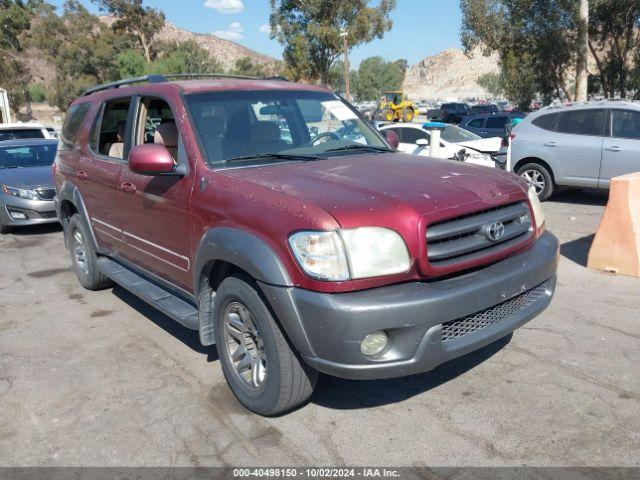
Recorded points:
360,147
276,156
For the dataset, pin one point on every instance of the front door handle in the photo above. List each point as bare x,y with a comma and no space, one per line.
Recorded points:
614,148
552,143
128,187
82,175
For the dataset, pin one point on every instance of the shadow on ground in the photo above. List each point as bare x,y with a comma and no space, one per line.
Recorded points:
581,197
577,250
340,394
45,229
187,336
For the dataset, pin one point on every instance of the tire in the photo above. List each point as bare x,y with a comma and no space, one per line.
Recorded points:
539,177
278,379
83,256
4,229
388,115
407,114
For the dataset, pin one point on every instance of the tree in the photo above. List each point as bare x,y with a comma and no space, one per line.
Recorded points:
582,52
535,40
143,23
247,67
183,57
310,31
375,75
492,83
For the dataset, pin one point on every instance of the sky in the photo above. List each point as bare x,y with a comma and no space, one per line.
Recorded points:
420,27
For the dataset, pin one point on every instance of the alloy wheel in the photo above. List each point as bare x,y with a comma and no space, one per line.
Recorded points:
244,345
535,179
80,252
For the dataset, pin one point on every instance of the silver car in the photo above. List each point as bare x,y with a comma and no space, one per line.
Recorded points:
581,145
26,183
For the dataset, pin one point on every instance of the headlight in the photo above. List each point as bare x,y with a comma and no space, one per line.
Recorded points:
538,214
20,193
350,254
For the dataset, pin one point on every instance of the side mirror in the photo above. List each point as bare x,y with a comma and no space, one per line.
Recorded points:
422,142
392,138
151,159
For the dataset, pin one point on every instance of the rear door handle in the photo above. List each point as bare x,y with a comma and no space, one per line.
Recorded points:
82,175
614,148
552,143
128,187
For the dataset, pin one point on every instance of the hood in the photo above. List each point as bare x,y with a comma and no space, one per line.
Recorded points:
380,188
27,177
485,145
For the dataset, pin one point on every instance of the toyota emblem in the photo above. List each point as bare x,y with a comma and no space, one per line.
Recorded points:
494,231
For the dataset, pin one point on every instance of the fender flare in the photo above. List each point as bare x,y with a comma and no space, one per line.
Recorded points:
244,250
71,193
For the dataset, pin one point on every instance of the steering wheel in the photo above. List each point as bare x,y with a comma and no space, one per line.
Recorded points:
320,136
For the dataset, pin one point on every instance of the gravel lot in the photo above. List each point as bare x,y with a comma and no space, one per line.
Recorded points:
101,379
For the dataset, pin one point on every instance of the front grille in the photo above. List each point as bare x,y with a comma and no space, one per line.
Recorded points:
46,193
497,313
477,234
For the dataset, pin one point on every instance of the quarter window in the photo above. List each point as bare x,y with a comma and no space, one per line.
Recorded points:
582,122
546,122
75,118
625,124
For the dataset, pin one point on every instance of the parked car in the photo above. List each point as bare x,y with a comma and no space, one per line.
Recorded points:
415,139
295,253
451,113
579,146
483,108
26,184
492,125
16,131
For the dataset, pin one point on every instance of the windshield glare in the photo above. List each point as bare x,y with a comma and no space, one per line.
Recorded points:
453,134
27,156
247,124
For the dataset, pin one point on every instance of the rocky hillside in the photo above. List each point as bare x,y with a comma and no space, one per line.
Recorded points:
225,51
449,74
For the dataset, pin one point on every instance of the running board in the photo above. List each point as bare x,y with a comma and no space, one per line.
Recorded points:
181,311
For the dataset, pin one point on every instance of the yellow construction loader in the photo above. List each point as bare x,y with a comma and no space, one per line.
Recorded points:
394,107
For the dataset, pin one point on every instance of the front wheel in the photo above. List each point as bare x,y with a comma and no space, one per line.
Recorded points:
264,372
408,114
539,178
4,229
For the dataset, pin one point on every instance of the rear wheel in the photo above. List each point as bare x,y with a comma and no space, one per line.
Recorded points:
83,256
262,369
408,114
539,178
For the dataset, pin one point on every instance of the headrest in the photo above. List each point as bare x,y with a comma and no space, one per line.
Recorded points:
264,132
166,134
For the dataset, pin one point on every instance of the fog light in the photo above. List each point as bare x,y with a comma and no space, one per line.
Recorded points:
374,343
18,215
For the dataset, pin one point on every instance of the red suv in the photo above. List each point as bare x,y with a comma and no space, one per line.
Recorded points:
273,219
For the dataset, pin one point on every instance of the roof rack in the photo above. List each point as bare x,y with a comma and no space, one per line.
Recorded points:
158,78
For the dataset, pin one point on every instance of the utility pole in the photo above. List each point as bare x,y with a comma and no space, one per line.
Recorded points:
344,33
582,45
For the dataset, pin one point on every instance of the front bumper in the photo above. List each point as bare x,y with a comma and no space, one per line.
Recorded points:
36,211
476,309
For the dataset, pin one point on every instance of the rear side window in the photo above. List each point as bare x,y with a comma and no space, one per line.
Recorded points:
496,122
20,133
110,130
477,123
75,117
582,122
548,122
625,124
412,135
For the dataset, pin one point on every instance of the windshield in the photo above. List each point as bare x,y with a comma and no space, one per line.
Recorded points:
453,134
28,155
247,128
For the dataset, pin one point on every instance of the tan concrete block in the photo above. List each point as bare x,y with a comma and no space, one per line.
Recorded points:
616,246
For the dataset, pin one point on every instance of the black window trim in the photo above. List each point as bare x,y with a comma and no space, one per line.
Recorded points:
98,120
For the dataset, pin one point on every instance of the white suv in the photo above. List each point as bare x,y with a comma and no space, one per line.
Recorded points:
581,145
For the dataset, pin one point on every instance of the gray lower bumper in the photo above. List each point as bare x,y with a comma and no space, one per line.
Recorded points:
327,328
36,211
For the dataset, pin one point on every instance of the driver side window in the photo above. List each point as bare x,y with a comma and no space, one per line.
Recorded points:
156,124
